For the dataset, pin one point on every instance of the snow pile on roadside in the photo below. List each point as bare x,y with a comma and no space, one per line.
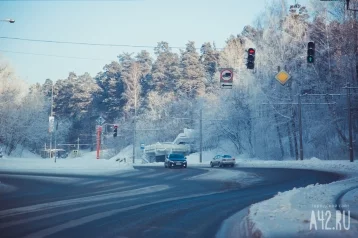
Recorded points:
5,188
243,178
207,156
351,200
289,214
125,153
87,164
340,166
19,152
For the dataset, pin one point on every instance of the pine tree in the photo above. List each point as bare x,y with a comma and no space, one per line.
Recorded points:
165,72
191,83
110,101
210,60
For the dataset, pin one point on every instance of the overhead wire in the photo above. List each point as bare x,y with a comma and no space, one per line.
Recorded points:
74,43
57,56
87,43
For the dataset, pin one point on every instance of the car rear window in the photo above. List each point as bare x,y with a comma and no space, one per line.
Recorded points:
227,156
176,156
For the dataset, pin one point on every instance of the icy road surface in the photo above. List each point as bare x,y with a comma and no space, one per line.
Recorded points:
146,202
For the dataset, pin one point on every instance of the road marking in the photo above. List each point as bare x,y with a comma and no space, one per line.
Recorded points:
174,176
101,215
49,205
27,220
153,175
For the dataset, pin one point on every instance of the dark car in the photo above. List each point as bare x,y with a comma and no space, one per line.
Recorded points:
175,160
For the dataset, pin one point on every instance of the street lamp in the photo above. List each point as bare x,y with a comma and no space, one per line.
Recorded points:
9,20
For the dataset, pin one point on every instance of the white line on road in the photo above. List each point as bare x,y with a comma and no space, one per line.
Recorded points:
101,215
49,205
52,214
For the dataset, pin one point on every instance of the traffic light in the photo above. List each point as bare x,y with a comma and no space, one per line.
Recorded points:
115,131
250,58
310,52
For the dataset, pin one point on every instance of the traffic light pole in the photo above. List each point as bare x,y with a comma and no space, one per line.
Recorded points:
300,126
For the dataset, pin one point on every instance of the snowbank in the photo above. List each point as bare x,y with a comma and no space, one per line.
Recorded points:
293,213
340,166
86,164
126,153
350,199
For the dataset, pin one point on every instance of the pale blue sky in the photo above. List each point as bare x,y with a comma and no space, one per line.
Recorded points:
142,22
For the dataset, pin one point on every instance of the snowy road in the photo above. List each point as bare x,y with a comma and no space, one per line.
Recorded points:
146,202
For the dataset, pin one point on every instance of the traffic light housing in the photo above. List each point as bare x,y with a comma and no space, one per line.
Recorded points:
115,130
310,52
251,58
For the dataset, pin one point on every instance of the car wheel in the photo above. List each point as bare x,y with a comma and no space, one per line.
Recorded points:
220,165
165,165
211,164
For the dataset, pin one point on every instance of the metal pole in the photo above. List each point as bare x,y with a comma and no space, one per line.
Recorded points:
135,123
350,129
51,125
201,135
134,139
99,131
300,126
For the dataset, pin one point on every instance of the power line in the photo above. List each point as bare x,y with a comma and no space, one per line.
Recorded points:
88,44
57,56
82,43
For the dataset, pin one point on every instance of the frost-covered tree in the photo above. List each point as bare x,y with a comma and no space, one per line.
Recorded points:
109,101
165,72
191,83
209,58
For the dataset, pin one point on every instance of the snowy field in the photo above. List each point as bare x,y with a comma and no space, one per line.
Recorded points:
87,164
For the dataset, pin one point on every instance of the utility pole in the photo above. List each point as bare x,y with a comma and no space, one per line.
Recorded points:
51,126
350,129
135,123
300,126
201,135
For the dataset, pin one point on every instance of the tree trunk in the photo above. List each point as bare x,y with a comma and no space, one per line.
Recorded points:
279,137
295,137
290,139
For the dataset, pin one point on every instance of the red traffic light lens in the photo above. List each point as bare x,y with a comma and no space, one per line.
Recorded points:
116,126
251,51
